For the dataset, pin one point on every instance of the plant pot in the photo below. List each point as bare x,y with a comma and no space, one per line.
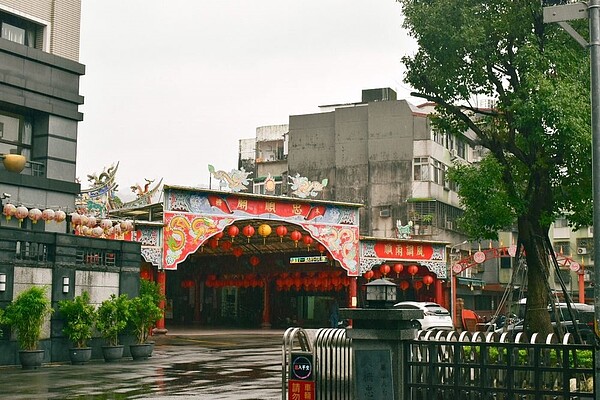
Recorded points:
112,353
31,359
141,351
80,355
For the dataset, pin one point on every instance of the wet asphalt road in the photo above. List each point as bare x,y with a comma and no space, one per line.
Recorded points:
224,365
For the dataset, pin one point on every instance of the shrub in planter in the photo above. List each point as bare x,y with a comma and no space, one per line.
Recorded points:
112,318
26,315
143,314
80,317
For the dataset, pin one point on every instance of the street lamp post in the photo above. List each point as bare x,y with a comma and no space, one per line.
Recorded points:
566,11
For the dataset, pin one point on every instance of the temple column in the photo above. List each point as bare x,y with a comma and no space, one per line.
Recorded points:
352,293
266,316
439,292
161,279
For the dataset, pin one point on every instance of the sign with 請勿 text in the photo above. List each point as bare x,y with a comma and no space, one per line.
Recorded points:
301,385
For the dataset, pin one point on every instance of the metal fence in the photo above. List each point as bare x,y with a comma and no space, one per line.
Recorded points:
332,355
491,366
448,365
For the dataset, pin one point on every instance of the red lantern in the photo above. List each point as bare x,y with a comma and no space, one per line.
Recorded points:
248,231
218,236
226,246
48,214
254,261
368,275
398,268
412,270
281,232
233,231
418,285
60,216
385,269
307,241
35,214
296,236
321,248
404,285
187,283
213,243
237,252
10,210
21,213
428,280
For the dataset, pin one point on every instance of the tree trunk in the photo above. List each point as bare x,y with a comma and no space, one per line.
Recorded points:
533,236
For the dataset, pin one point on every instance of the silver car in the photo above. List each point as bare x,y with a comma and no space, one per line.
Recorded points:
434,315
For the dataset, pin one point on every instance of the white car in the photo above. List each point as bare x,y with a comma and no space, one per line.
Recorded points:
434,315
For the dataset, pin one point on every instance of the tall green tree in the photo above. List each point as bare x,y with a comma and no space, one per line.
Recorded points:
538,133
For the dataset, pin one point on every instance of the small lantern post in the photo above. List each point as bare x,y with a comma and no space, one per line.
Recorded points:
381,293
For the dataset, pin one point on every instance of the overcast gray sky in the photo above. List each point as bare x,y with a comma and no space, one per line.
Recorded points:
172,85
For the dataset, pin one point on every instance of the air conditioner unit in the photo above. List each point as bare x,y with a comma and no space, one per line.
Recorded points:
590,231
581,250
449,225
384,213
453,154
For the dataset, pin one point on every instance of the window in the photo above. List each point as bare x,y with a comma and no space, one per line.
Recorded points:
439,172
562,247
13,33
461,149
450,142
20,30
437,137
15,135
561,222
259,187
421,169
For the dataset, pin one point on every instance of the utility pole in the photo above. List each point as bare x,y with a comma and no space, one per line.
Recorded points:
560,14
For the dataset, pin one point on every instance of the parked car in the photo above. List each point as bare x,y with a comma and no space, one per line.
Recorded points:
434,315
583,315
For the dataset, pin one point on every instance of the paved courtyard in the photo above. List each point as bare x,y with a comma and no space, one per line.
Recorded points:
225,365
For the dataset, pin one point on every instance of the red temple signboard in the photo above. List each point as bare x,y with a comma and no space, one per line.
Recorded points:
192,216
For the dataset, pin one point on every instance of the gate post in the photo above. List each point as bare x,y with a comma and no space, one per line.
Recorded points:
378,337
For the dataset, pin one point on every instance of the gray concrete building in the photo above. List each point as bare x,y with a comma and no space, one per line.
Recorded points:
39,103
380,152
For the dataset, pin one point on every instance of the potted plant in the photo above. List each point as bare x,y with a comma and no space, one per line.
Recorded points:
79,316
143,315
144,312
112,319
26,315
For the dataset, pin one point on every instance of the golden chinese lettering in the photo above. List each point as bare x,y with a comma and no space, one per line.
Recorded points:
270,206
388,249
297,209
399,250
242,204
420,251
410,250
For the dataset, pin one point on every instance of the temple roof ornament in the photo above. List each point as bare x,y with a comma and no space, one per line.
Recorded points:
304,188
236,180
